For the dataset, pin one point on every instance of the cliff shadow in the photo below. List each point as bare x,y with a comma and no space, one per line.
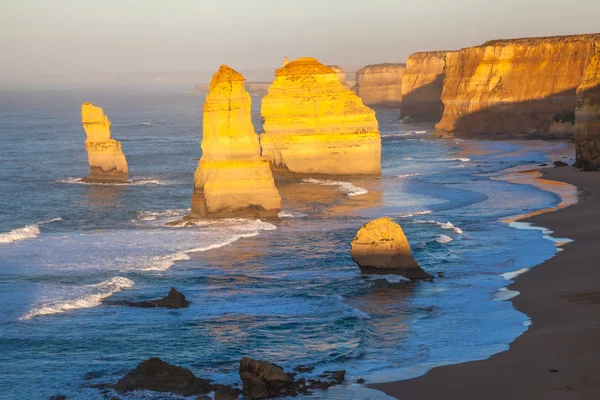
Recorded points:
531,119
424,104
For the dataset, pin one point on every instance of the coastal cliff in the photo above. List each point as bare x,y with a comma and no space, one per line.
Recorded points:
232,179
381,84
313,125
517,86
587,117
341,74
422,85
105,156
253,88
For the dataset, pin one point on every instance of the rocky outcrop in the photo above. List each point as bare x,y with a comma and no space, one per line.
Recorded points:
313,125
341,74
105,156
380,246
422,85
232,179
381,84
159,376
587,117
174,299
257,89
285,62
515,86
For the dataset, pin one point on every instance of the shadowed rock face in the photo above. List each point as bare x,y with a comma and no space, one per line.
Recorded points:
159,376
261,378
232,179
514,86
381,84
106,159
380,246
174,299
587,117
422,85
313,125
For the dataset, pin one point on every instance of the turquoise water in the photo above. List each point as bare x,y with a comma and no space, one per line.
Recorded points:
282,290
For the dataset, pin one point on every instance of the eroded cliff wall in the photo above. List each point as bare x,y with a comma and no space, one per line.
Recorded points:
232,179
587,117
313,125
422,85
105,155
380,84
517,86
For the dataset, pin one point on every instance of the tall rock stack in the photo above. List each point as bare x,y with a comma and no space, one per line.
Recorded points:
232,179
341,74
381,84
422,85
105,156
313,125
516,86
587,117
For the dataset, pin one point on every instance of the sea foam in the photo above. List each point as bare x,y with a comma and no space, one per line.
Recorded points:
347,187
443,225
443,239
27,232
92,297
135,182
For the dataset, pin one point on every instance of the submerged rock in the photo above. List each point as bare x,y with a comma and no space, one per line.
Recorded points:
560,164
159,376
226,393
174,299
380,246
232,180
106,159
313,125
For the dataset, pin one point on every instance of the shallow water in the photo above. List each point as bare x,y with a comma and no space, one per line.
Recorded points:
283,290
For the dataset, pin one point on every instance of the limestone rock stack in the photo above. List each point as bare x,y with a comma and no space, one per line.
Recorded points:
232,179
381,84
313,125
105,156
422,85
380,246
285,62
587,117
341,74
517,86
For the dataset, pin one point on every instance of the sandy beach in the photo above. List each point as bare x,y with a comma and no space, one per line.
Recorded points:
557,357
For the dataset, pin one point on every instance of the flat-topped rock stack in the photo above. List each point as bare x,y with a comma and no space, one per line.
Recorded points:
313,125
232,179
381,84
105,155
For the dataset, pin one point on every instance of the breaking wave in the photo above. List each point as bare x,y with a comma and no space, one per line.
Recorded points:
443,239
93,298
154,215
27,232
135,182
443,225
413,214
289,214
347,187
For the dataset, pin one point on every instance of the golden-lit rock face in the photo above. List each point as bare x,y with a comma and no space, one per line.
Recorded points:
105,156
285,62
381,84
514,86
232,179
587,117
313,125
381,246
422,85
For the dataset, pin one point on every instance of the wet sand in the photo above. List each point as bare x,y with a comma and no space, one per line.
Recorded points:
558,357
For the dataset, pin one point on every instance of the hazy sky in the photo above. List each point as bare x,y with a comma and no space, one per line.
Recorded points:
92,36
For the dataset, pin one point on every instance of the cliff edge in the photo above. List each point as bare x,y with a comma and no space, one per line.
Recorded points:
381,84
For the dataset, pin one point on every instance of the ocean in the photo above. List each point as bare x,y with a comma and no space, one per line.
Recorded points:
282,290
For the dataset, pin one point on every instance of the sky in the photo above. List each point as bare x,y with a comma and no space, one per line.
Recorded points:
57,37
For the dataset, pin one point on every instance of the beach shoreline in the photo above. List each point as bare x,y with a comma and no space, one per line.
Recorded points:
555,358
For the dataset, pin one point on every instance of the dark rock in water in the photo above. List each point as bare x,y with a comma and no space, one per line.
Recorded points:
173,300
203,397
560,164
159,376
262,379
92,375
336,376
360,381
304,368
226,393
543,165
58,397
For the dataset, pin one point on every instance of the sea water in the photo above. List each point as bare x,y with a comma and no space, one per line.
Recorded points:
282,290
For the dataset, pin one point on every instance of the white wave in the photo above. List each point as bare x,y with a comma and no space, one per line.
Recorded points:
458,166
249,228
443,239
413,214
153,215
289,214
136,182
145,123
27,232
93,298
504,294
512,275
347,187
462,159
443,225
